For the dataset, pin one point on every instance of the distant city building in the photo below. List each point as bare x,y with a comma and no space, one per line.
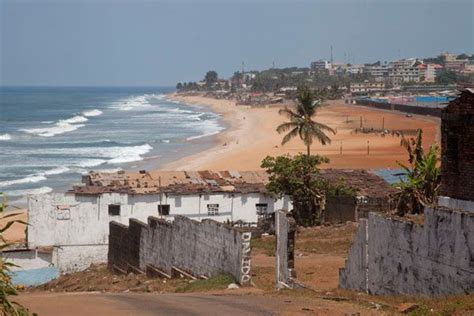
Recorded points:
355,69
321,65
378,72
404,70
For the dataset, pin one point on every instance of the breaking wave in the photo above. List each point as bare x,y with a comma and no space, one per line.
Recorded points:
34,191
5,137
90,113
37,177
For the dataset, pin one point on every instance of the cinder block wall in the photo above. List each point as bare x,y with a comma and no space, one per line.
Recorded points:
204,248
391,256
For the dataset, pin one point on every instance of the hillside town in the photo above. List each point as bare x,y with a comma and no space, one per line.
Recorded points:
428,81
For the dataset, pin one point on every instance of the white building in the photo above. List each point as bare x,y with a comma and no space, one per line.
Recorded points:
321,65
75,225
404,70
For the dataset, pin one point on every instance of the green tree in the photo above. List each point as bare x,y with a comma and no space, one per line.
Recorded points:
7,289
210,78
179,86
423,177
446,77
299,177
301,121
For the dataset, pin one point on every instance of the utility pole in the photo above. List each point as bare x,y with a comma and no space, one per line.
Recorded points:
332,61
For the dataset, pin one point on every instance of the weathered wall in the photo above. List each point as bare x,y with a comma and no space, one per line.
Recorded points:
419,110
340,209
457,148
391,256
204,248
78,226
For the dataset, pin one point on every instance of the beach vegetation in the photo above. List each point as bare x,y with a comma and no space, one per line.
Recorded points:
299,177
7,289
301,121
422,177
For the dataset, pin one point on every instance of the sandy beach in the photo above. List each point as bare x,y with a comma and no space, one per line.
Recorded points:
252,136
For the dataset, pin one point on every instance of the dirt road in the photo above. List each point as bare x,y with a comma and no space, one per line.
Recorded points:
127,304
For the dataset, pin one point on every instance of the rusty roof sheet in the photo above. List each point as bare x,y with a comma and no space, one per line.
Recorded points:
206,181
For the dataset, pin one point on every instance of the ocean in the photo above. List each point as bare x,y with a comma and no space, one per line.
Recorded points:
49,137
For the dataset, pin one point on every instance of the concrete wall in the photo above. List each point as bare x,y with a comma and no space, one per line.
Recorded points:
419,110
391,256
78,226
204,248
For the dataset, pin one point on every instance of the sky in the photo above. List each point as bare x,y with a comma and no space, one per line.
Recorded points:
159,43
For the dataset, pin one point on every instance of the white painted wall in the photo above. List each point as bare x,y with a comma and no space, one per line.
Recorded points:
78,225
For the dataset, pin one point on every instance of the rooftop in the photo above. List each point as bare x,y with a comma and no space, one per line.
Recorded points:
199,182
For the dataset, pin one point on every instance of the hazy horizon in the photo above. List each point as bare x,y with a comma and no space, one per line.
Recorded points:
159,43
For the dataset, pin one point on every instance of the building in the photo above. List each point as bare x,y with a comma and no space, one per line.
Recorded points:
372,194
366,87
378,72
321,65
74,226
404,70
355,69
428,71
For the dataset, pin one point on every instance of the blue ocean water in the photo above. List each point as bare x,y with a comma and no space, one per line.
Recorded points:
50,136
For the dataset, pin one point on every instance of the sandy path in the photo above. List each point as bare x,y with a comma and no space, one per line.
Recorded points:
79,304
252,136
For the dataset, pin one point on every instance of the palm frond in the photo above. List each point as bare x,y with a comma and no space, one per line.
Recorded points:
292,134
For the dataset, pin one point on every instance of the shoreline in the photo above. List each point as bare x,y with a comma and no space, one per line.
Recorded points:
251,135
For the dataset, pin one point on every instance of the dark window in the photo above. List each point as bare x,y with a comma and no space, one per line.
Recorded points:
261,208
164,209
114,209
212,209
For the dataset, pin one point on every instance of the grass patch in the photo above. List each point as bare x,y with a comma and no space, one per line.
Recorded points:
219,282
267,245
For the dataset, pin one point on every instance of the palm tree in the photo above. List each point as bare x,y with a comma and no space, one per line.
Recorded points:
301,121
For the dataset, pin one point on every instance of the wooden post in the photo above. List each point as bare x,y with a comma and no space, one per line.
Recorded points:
383,122
368,148
361,122
340,149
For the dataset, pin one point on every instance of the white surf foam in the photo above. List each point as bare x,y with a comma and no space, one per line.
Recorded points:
75,119
91,113
5,137
132,103
41,190
28,179
57,129
129,154
58,170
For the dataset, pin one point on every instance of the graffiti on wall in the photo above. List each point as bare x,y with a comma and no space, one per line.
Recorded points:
245,268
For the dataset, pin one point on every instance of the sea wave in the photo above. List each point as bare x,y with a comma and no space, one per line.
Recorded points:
63,126
75,119
34,191
5,137
132,103
37,177
28,179
57,129
90,113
